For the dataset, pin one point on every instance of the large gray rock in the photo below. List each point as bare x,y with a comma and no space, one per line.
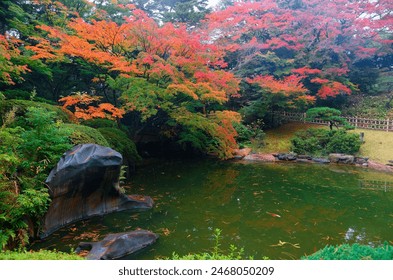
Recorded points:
341,158
85,183
321,160
361,160
115,246
287,157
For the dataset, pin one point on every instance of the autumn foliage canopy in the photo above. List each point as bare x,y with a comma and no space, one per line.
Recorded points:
181,78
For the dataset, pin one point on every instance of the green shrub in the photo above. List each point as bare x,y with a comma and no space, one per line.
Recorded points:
353,252
38,255
27,155
119,141
311,141
343,142
216,253
44,141
81,134
319,142
250,133
244,134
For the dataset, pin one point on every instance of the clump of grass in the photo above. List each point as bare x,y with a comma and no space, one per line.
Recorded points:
216,253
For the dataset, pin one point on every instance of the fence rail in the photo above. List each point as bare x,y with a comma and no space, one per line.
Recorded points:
376,185
375,124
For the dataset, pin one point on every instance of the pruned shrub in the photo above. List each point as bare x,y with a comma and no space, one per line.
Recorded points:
320,142
353,252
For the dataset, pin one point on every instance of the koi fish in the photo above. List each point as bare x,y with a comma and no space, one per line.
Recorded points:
273,215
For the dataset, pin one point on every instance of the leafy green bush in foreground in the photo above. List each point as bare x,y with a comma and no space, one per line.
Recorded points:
353,252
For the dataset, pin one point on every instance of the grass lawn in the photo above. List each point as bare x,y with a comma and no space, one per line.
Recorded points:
378,145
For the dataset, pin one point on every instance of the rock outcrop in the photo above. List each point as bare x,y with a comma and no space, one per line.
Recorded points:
341,158
117,245
85,183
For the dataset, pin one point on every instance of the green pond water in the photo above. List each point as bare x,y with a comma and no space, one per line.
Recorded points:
282,211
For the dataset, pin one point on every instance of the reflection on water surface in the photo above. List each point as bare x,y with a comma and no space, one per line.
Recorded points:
282,211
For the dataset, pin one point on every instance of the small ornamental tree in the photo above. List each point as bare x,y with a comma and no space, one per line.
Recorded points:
331,115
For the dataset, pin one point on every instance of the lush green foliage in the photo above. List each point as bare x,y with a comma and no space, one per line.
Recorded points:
38,255
344,142
20,107
43,141
323,142
250,134
353,252
28,153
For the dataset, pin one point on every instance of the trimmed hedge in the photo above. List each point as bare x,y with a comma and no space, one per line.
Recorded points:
321,142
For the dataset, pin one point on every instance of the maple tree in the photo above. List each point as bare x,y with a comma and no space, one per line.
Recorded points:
88,107
152,68
279,54
311,38
9,70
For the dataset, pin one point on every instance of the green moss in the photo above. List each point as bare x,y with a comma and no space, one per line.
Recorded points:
100,123
119,141
38,255
21,107
353,252
81,134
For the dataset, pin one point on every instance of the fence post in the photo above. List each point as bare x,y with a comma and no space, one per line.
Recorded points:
356,122
304,117
387,125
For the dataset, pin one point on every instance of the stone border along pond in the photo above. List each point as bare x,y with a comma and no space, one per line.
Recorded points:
245,154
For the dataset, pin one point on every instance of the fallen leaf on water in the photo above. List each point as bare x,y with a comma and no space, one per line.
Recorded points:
92,236
327,238
165,231
282,243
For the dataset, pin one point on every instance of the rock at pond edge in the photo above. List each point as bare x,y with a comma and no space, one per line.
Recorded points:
85,184
117,245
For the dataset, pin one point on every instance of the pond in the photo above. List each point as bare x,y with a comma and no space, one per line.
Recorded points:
282,211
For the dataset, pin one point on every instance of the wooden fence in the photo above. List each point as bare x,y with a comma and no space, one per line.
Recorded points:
376,185
376,124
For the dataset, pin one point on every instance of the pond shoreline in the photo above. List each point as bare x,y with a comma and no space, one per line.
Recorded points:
269,157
